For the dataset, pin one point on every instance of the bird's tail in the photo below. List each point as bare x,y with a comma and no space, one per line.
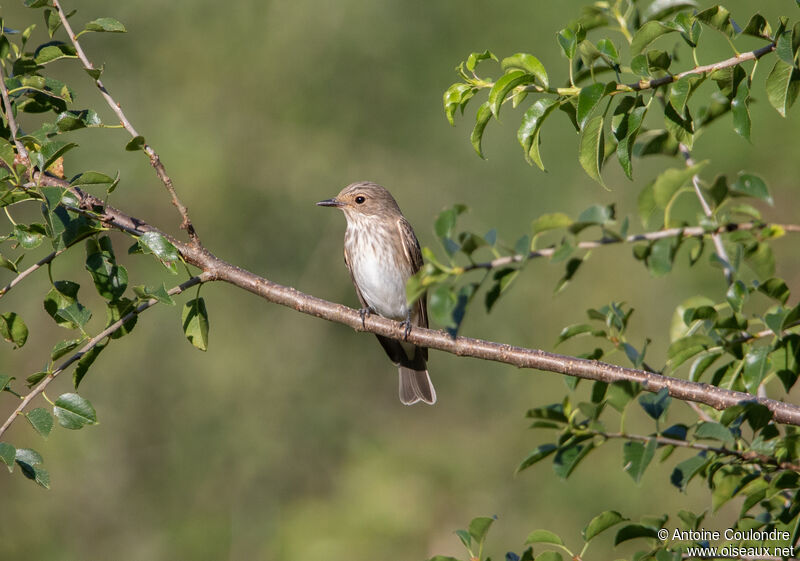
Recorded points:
415,385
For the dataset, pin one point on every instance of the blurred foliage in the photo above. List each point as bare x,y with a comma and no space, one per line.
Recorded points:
158,478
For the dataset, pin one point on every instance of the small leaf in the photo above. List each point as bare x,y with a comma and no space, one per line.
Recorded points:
475,58
748,185
656,404
601,523
648,33
529,64
40,420
633,531
136,143
714,431
592,148
637,456
153,242
756,366
85,362
107,25
776,289
543,536
195,323
481,119
74,411
505,84
741,111
160,293
7,455
479,527
63,347
75,314
52,151
783,84
588,98
528,133
13,329
538,454
720,19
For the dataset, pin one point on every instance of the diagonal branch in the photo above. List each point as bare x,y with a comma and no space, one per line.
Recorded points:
155,160
92,343
215,269
688,232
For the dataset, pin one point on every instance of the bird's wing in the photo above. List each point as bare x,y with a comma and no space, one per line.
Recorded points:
350,270
414,255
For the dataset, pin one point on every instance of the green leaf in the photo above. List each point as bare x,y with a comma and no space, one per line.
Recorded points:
606,47
475,58
633,531
95,179
756,366
568,457
502,280
454,97
719,18
549,556
7,455
74,120
74,411
543,536
669,181
648,33
53,51
153,242
75,314
40,420
118,309
569,38
63,347
110,279
748,185
528,63
636,456
776,289
479,527
783,47
601,523
714,431
195,323
505,84
5,380
85,362
538,454
28,461
107,25
551,221
758,27
160,293
481,119
680,127
589,97
661,257
13,329
52,151
592,148
740,108
685,348
528,133
134,144
783,84
656,404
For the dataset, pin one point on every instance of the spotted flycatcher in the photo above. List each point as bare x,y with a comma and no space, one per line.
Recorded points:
382,253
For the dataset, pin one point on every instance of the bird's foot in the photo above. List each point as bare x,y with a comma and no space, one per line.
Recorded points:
364,312
406,324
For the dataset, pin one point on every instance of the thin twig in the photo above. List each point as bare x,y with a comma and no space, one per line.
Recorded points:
715,237
664,80
12,122
93,342
155,160
746,456
40,263
688,232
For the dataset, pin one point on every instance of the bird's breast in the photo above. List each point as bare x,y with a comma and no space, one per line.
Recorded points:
379,271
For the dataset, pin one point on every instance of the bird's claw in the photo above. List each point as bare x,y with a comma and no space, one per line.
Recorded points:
364,312
406,324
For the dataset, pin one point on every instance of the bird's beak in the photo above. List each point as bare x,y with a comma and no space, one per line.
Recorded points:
331,202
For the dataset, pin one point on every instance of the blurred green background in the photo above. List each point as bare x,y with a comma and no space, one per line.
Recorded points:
286,439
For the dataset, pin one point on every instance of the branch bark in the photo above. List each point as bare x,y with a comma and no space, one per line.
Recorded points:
216,269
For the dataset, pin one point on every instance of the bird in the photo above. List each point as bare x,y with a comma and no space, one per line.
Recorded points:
381,253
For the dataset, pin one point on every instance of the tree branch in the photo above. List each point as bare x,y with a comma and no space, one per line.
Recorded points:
93,342
155,160
746,456
215,269
688,232
12,122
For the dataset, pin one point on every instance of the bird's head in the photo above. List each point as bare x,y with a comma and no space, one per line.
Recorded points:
364,199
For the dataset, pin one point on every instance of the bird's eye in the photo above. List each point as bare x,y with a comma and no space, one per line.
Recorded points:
360,199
